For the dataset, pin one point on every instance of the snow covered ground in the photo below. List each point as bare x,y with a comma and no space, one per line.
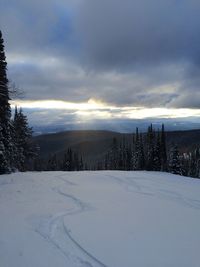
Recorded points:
99,219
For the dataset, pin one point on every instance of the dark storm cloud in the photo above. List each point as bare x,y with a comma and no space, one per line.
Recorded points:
131,52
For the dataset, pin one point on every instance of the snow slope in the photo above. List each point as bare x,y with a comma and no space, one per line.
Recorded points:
99,219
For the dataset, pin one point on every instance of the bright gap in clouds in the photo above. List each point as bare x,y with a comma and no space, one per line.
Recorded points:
96,109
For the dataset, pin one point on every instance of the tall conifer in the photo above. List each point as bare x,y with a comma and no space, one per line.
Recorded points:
5,111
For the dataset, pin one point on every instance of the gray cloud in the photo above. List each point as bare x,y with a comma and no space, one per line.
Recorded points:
131,52
118,33
70,82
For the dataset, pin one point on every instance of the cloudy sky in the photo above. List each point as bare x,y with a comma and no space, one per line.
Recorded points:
88,60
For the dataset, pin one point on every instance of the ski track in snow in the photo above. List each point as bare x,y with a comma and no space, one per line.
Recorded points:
132,186
55,231
66,194
65,180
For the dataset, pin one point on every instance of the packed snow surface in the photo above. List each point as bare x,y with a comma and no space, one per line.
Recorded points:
99,219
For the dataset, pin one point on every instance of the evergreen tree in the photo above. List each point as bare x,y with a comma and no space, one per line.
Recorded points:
22,140
72,161
3,162
106,162
68,161
142,157
157,154
197,163
128,158
121,162
150,148
163,150
81,164
185,162
5,111
136,154
174,161
194,163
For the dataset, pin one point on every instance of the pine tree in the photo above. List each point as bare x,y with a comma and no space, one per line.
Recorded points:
106,162
197,163
135,159
81,164
163,150
68,163
138,154
174,161
5,110
22,140
3,162
129,158
157,154
120,158
194,163
150,148
142,156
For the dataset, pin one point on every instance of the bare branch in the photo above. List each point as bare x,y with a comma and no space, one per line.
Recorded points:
15,91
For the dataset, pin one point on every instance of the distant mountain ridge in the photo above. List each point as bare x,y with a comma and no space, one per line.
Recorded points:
94,144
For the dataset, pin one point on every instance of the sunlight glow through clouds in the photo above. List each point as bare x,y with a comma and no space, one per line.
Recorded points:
96,109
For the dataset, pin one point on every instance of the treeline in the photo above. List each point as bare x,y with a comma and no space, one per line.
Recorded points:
190,163
70,161
148,151
16,149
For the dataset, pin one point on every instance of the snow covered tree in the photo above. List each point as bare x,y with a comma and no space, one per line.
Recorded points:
22,140
197,154
121,161
5,110
138,155
68,160
106,162
194,163
128,158
157,154
163,150
174,161
150,148
3,161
